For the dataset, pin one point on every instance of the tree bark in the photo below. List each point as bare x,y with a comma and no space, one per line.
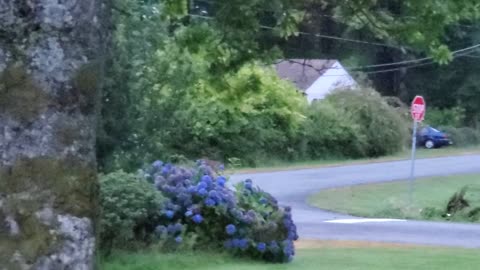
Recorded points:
50,69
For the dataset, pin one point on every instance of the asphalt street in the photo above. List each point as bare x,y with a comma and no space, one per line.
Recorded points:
295,186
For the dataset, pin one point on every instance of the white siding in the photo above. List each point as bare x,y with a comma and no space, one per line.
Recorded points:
333,78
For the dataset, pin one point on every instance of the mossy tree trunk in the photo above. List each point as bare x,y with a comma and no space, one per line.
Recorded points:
50,68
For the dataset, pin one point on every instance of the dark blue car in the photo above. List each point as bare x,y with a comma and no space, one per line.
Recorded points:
430,137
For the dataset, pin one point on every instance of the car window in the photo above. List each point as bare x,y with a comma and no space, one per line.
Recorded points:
435,130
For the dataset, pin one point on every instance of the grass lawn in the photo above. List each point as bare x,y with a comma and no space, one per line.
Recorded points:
421,153
327,257
389,200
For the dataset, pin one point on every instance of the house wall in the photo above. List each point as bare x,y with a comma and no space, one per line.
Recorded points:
334,78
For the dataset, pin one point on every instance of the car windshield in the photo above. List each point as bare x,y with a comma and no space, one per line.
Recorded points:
435,130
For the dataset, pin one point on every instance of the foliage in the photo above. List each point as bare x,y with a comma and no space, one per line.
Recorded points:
410,22
453,117
130,208
203,211
331,132
464,136
190,88
254,115
462,206
381,129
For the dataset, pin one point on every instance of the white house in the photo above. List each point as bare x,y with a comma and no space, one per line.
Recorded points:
315,77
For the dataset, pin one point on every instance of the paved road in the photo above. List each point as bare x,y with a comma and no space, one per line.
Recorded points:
293,188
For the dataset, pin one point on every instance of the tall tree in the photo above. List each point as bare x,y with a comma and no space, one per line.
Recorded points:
50,63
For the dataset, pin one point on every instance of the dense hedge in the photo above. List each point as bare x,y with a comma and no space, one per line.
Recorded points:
201,210
354,124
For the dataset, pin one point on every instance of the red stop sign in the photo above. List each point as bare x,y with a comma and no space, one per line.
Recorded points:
418,109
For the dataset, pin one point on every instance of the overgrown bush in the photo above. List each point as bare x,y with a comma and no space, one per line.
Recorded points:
453,117
203,210
354,124
130,210
329,133
464,136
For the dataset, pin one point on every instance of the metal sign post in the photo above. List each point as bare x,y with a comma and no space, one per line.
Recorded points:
418,114
412,169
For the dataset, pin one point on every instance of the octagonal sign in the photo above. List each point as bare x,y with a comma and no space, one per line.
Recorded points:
418,109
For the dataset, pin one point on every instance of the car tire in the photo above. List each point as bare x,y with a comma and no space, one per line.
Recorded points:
429,144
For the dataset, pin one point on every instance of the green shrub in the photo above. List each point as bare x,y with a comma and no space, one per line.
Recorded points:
464,136
328,132
130,210
379,128
454,117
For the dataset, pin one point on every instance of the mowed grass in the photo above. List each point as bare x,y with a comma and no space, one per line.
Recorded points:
390,200
328,258
275,165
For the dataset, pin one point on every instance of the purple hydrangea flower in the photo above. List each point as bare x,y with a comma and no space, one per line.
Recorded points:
221,167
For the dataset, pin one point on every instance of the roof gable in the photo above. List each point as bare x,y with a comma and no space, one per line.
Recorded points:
303,72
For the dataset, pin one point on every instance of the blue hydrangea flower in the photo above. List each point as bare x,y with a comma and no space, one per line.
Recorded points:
157,164
263,200
221,181
207,179
274,247
236,242
169,214
197,218
202,185
243,243
178,227
209,202
230,229
221,167
189,213
165,170
248,184
202,192
178,239
261,247
159,230
171,229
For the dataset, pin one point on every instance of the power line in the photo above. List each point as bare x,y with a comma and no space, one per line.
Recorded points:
354,69
318,35
417,60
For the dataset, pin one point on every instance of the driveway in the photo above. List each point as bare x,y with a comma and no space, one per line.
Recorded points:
295,186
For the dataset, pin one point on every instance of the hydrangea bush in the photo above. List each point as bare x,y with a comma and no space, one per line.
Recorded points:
202,205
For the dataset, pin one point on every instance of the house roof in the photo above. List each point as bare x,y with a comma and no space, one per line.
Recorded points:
303,72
